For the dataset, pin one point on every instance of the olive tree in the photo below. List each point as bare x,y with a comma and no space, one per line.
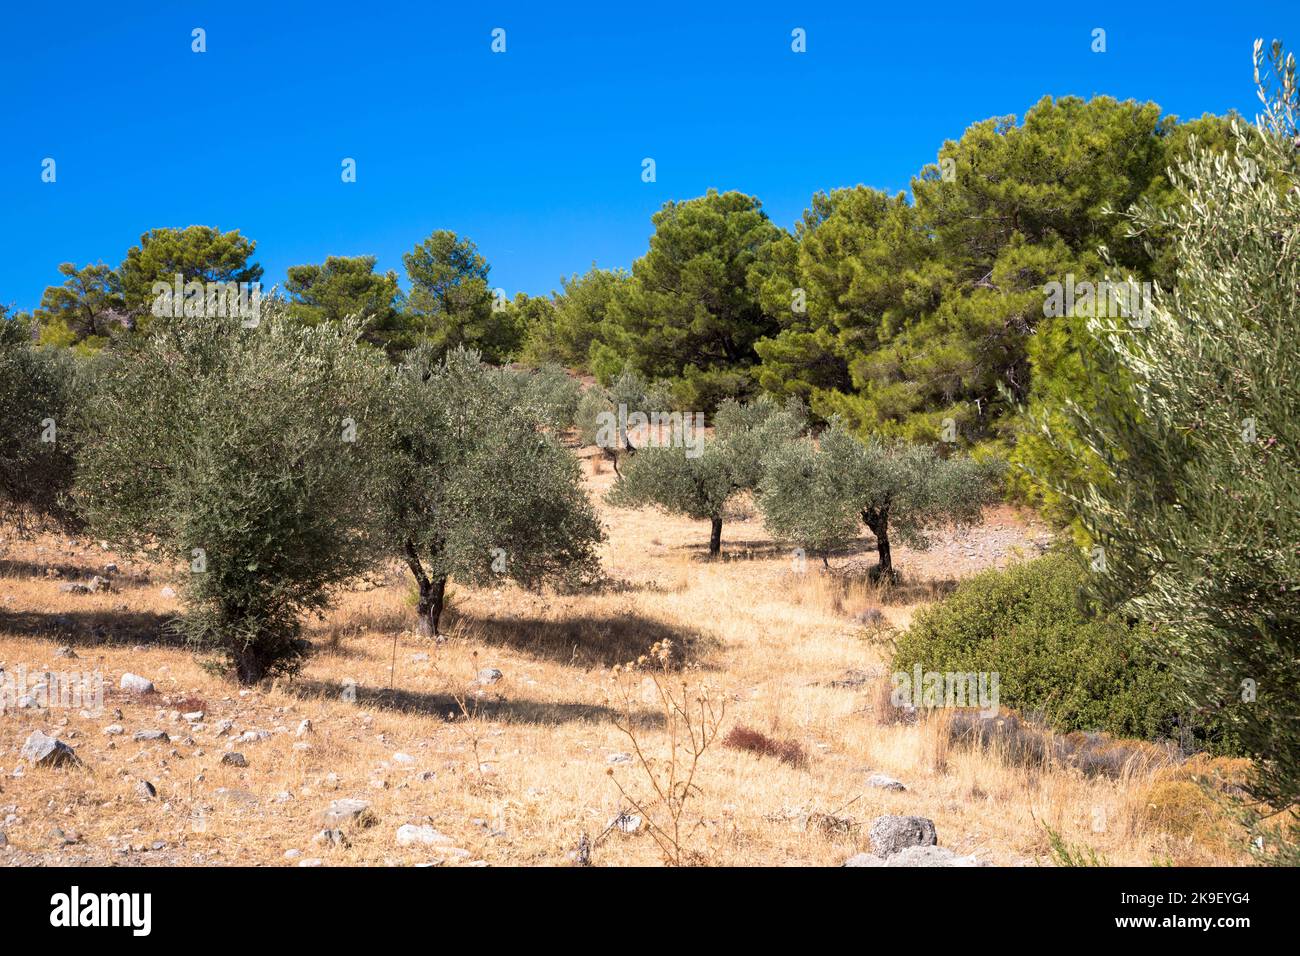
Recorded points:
38,390
1196,515
476,487
816,493
685,473
249,454
550,391
601,414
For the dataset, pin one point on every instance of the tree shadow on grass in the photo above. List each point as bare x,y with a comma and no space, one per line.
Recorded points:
904,589
92,628
739,550
497,707
587,641
331,635
21,568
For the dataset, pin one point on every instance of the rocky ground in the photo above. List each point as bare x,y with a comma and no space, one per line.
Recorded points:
501,745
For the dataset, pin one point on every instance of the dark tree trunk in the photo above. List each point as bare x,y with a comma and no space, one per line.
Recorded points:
878,521
429,607
250,665
715,538
433,592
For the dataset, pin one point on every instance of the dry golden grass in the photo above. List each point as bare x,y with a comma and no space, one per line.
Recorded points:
525,777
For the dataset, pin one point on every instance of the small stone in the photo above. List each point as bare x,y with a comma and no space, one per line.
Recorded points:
310,862
4,840
292,854
234,759
884,783
619,758
114,730
223,727
403,760
930,856
304,728
167,592
489,675
331,838
349,810
864,859
410,835
136,684
41,750
66,652
146,791
147,735
193,716
890,834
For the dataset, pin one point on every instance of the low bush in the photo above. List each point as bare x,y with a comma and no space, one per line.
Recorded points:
757,742
1056,658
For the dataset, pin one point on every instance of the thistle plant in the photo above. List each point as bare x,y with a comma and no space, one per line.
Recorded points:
692,713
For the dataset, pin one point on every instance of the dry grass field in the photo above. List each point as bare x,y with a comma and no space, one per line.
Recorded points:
516,771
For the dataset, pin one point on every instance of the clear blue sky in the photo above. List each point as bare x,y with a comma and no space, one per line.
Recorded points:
535,154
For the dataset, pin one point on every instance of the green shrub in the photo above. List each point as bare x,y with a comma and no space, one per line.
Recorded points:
1053,655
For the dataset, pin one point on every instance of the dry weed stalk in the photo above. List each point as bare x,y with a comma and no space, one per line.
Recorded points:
692,717
467,722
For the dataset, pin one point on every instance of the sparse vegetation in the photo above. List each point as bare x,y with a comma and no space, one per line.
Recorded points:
873,369
698,477
692,712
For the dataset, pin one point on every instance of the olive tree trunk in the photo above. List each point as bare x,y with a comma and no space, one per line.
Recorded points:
877,520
